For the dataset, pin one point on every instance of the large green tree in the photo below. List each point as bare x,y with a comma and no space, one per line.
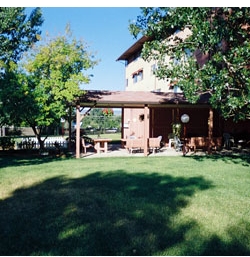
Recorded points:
47,79
213,59
18,32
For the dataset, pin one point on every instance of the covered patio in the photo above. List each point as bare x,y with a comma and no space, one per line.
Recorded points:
148,101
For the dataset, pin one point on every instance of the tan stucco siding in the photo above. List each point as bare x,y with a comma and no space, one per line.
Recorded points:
149,81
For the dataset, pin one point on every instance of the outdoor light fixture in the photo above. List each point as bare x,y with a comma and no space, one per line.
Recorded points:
185,118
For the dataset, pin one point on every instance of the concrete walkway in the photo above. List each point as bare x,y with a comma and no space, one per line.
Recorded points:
115,150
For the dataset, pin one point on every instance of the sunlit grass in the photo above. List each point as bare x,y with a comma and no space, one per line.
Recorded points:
125,206
116,137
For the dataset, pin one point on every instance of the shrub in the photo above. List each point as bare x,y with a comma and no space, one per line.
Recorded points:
7,143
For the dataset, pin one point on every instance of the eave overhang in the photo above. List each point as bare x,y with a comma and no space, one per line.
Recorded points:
136,99
137,46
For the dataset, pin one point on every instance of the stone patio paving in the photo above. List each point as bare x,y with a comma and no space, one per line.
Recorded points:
118,151
115,150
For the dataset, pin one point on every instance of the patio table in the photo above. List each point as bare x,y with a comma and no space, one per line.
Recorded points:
101,144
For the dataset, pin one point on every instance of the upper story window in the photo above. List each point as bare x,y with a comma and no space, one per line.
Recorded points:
153,69
177,61
174,61
137,76
134,78
175,88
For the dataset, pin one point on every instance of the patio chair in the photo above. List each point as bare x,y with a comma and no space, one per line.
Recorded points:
228,140
178,144
170,139
134,145
86,145
155,143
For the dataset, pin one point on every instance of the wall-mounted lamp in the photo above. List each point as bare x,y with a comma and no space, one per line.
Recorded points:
184,119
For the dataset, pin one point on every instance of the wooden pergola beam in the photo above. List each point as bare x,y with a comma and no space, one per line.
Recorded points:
79,118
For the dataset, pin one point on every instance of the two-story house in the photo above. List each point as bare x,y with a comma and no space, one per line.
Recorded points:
140,77
151,106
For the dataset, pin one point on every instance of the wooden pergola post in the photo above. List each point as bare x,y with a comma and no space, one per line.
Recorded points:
210,130
78,120
146,129
122,132
70,120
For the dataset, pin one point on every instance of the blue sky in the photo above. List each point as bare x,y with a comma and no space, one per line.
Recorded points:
105,30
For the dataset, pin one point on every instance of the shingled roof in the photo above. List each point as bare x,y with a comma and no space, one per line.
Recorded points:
136,99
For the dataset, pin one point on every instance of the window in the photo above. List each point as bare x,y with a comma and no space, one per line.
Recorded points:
174,61
140,75
134,78
153,68
137,76
175,88
177,61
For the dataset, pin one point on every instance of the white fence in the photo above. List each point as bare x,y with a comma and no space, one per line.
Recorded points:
50,142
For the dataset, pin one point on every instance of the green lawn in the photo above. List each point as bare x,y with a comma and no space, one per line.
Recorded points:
125,206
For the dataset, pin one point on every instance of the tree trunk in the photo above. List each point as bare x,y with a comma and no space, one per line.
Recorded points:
38,136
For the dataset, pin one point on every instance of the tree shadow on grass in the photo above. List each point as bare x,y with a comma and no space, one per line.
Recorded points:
14,161
112,213
242,159
236,243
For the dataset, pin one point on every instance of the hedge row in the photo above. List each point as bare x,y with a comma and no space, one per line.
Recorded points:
7,143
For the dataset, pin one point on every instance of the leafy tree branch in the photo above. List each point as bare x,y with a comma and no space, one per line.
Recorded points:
213,57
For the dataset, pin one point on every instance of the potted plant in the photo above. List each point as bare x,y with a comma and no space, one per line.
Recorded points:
176,128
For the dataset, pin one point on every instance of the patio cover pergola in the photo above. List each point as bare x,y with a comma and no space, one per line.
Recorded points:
135,99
